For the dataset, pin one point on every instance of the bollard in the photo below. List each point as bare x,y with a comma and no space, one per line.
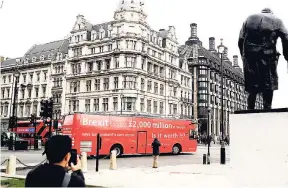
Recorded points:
84,162
222,154
11,165
208,159
113,164
204,159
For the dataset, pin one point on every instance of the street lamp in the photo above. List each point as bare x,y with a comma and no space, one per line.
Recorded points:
208,138
13,118
221,49
121,96
15,95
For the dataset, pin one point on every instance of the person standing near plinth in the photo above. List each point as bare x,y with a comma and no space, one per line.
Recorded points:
257,45
156,152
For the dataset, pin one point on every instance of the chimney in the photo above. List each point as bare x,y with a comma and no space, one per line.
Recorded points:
211,44
225,54
235,61
193,28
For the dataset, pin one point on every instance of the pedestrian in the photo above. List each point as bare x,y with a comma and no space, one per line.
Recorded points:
257,45
54,174
156,152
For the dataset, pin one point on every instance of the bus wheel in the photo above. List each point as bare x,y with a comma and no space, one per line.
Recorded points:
118,148
176,149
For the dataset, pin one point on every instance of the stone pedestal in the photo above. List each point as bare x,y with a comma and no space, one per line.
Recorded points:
259,148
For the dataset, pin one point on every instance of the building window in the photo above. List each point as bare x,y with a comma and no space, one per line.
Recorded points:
155,107
149,106
170,108
98,64
9,78
142,63
21,111
142,105
101,49
74,105
3,94
175,91
106,84
161,108
44,91
149,67
96,105
87,105
76,68
24,78
74,86
38,77
116,81
22,92
35,106
105,104
88,85
29,92
107,64
8,92
93,50
142,83
31,77
115,103
117,43
36,92
130,62
4,79
129,103
110,47
77,52
45,76
116,62
129,82
149,85
156,70
155,87
174,109
97,84
90,66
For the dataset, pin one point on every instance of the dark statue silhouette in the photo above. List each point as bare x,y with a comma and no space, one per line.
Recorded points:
257,45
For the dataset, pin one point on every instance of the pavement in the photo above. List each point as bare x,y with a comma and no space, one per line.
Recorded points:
32,158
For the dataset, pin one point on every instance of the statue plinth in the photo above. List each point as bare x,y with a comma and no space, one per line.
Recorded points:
259,147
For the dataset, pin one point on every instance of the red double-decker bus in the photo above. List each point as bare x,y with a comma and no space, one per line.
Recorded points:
26,130
129,135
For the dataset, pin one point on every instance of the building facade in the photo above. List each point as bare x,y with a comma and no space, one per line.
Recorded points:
118,67
205,66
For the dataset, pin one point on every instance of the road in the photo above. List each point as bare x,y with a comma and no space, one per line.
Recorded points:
134,161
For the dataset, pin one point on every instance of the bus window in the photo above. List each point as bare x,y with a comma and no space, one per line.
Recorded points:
192,135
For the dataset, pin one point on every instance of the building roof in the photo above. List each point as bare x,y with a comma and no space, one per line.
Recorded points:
186,51
47,49
105,26
39,50
9,62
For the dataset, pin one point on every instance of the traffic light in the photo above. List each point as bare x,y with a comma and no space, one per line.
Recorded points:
50,108
43,110
55,124
13,122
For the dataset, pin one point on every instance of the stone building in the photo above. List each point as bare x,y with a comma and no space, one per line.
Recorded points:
205,66
117,67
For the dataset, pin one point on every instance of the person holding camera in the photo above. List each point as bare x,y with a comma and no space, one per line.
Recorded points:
55,173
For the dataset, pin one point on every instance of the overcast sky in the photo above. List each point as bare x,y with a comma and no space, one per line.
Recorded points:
24,23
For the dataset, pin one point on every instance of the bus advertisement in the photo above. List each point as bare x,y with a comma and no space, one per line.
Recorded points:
129,135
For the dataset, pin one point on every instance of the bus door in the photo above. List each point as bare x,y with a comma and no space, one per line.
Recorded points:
141,141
